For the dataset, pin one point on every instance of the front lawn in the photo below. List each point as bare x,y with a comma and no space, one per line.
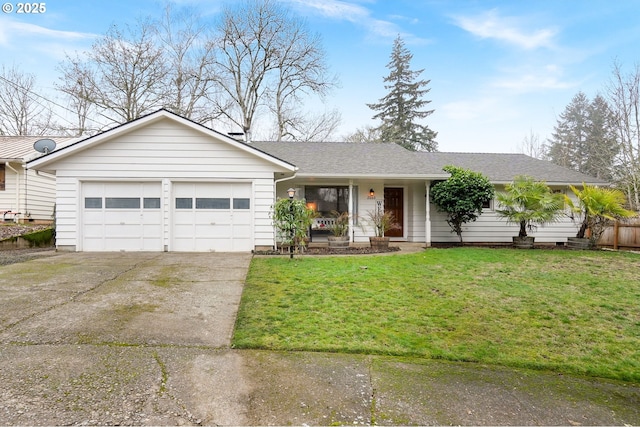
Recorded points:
574,312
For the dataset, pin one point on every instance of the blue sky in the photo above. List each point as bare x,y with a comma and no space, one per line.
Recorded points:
499,70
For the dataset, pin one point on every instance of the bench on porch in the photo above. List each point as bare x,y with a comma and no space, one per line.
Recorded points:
321,227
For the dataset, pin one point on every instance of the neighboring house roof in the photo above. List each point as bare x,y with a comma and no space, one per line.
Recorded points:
19,148
335,159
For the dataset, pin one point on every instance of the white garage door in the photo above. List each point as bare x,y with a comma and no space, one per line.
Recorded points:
121,216
212,217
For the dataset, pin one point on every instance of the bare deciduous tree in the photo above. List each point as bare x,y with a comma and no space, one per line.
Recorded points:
123,74
302,70
75,83
365,134
532,146
309,127
266,57
22,112
624,101
190,54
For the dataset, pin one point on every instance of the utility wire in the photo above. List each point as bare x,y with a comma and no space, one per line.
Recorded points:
30,93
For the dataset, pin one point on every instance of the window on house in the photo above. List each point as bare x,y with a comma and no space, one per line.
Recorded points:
151,203
487,204
122,202
2,177
184,203
212,203
93,202
241,204
327,199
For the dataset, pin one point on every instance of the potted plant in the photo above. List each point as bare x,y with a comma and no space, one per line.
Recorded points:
382,222
594,209
339,229
528,203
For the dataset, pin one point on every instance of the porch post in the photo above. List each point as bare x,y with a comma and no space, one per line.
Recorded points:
427,224
350,208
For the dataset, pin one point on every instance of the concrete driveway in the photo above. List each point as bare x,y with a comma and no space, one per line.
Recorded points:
144,339
93,337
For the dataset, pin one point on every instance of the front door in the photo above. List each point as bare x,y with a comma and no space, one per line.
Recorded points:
394,203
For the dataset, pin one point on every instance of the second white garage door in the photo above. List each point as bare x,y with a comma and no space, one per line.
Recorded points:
211,217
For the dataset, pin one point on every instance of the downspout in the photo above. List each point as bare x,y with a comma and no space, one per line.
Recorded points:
275,195
26,193
8,165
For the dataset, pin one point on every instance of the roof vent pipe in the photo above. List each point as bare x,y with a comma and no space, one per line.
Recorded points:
238,136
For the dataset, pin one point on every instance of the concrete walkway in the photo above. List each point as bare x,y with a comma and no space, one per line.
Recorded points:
144,339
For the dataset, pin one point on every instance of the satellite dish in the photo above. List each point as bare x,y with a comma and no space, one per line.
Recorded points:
44,145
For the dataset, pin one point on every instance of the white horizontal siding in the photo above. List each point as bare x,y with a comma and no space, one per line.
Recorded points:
8,198
263,201
490,228
40,195
177,152
417,213
67,212
169,152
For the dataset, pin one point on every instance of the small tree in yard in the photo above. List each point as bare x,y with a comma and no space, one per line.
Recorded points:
595,209
461,196
528,203
292,220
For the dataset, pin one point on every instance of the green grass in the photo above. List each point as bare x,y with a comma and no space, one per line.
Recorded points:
574,312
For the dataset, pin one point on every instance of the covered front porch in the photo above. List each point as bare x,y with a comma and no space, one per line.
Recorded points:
407,199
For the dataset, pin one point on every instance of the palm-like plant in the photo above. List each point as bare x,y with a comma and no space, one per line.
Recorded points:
529,203
595,208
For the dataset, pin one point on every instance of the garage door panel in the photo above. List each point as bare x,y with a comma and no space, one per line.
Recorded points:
208,216
115,218
242,231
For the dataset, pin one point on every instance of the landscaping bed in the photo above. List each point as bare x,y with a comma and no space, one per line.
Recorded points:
365,250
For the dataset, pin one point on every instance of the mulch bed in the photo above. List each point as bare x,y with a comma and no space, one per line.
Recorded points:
331,251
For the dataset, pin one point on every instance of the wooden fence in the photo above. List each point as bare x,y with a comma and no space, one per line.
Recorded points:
623,234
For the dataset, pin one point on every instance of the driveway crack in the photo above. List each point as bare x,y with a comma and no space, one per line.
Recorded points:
75,296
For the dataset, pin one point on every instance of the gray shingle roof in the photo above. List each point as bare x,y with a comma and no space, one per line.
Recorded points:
342,159
503,167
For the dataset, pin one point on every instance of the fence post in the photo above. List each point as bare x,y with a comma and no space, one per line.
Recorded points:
616,228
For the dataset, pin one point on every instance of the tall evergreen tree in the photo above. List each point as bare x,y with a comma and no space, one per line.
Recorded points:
584,138
401,108
567,143
602,142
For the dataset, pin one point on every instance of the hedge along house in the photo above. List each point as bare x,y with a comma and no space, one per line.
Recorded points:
25,195
165,183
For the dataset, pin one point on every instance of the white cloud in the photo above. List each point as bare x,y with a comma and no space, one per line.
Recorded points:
14,30
356,14
528,80
336,9
490,25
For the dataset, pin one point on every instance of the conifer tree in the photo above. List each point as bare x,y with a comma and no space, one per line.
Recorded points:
584,138
400,110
